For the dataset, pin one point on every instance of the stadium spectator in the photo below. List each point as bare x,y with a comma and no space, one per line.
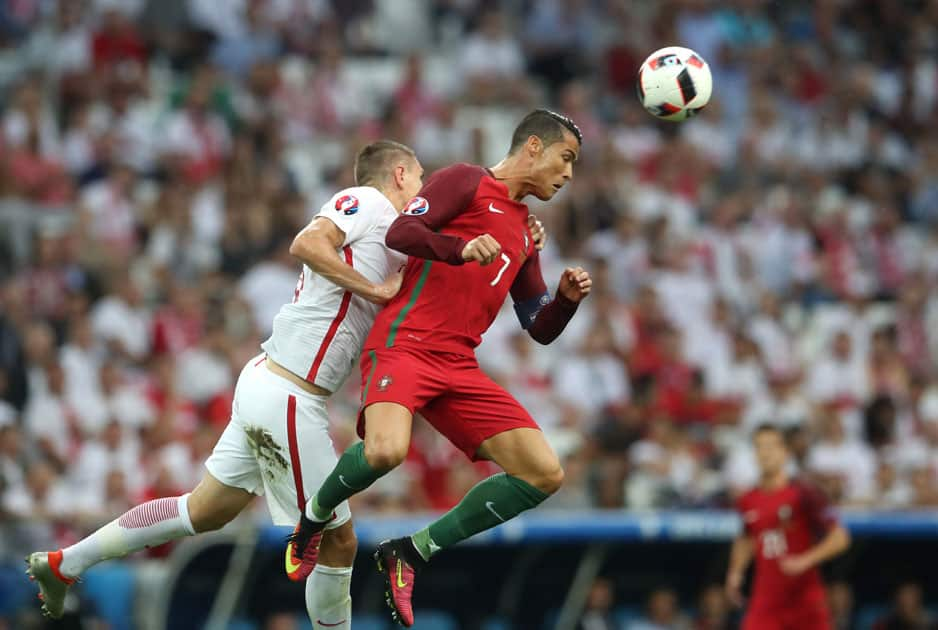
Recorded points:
908,610
662,613
841,603
713,611
597,614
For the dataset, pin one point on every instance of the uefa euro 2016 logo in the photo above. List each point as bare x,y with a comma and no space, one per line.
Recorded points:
417,206
346,204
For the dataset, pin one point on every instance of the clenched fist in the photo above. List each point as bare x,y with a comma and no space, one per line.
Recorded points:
575,284
483,249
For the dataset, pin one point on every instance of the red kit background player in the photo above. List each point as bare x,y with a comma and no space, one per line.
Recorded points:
789,529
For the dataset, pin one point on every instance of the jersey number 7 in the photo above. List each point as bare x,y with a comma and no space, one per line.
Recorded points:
501,271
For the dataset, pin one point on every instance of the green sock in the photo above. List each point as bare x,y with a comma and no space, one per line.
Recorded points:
351,475
490,502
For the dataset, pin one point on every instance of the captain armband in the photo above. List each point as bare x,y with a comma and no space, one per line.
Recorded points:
527,311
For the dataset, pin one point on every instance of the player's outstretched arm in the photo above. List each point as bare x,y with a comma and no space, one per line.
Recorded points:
543,318
740,557
316,246
834,543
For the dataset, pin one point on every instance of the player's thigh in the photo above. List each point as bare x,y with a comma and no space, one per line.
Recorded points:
395,382
233,462
388,427
476,411
212,504
305,455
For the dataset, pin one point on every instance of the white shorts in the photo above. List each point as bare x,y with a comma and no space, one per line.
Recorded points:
276,444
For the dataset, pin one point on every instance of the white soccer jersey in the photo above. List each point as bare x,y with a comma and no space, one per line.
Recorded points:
320,334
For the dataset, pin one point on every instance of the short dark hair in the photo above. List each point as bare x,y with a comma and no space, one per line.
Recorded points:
546,125
373,160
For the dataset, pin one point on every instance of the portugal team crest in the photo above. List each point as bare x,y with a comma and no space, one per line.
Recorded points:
417,206
385,381
346,204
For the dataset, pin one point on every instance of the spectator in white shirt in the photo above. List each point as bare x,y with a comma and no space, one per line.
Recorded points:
492,60
109,215
49,420
121,322
839,376
850,463
196,139
268,285
595,378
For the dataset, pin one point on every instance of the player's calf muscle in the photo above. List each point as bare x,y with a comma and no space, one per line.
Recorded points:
338,547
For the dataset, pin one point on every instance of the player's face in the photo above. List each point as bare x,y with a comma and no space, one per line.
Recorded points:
771,452
553,166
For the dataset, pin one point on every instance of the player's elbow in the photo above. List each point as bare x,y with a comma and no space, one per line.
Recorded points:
844,539
540,336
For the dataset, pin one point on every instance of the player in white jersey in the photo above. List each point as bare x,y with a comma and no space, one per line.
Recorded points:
277,442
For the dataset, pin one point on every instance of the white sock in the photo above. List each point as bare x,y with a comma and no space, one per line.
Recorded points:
147,525
328,599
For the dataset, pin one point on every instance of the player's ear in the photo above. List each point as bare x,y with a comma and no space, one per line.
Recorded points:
398,175
534,146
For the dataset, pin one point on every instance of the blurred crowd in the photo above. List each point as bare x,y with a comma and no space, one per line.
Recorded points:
772,260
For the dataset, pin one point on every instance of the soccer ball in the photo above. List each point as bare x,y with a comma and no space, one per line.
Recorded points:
674,83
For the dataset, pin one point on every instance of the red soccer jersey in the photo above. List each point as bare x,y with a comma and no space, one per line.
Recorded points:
783,522
445,305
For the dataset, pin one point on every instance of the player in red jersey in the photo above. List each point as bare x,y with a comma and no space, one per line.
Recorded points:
789,528
469,245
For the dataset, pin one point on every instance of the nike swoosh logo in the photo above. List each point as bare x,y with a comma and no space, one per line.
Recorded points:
400,581
291,566
491,508
344,482
492,208
329,625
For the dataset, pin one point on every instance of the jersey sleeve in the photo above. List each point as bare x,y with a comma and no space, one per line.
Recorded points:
543,318
447,193
742,507
352,214
818,511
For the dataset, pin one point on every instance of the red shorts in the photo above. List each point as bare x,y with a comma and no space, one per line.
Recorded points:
811,616
449,390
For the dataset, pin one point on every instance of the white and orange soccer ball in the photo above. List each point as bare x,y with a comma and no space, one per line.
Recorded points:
674,83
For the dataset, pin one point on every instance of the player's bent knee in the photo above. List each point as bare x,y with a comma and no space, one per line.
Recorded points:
550,482
384,454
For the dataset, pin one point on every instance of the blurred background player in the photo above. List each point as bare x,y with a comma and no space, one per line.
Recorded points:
420,355
790,530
